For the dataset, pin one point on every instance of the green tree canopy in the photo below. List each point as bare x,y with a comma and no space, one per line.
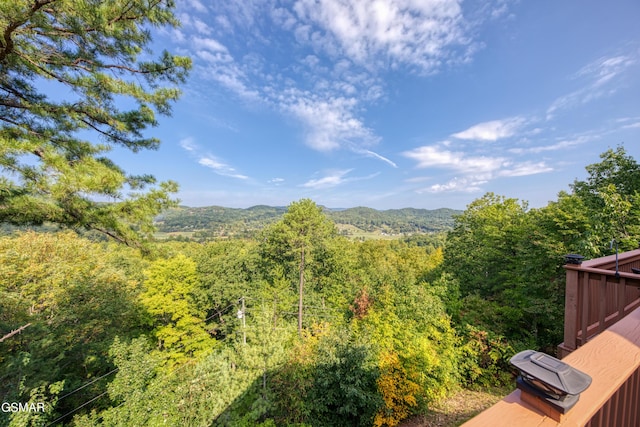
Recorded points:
168,297
95,52
611,194
615,168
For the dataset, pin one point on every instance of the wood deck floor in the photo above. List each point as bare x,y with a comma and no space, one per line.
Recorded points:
612,359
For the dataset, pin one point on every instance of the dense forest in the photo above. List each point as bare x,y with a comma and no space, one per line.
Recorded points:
212,222
299,325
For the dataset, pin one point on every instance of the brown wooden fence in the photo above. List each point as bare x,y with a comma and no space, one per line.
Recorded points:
596,297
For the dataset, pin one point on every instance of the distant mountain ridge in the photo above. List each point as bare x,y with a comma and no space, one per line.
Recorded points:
243,221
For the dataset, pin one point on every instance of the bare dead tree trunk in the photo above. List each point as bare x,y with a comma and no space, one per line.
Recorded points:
17,331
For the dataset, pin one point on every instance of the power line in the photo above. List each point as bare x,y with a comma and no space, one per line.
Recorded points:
223,310
79,407
117,369
89,383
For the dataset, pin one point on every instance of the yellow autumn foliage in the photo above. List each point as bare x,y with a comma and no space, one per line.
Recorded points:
397,389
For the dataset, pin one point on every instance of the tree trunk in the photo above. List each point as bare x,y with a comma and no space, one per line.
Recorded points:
300,291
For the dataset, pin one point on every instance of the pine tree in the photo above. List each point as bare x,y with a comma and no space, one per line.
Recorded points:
73,85
303,228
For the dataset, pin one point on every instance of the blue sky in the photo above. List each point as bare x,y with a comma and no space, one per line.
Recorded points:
395,103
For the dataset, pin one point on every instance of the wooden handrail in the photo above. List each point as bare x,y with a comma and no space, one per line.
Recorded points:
612,359
635,278
608,262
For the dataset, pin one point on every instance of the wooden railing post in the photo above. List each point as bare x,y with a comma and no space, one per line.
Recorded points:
571,302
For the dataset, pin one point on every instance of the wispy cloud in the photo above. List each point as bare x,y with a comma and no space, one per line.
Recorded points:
629,122
436,157
197,5
334,178
220,167
210,161
605,69
492,130
632,126
216,63
192,22
330,122
370,153
464,185
188,144
341,48
473,171
560,145
600,79
524,169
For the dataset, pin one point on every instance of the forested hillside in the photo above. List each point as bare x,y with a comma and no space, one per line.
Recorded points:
214,221
300,325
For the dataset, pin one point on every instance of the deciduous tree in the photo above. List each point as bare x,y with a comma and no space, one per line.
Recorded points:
168,297
611,194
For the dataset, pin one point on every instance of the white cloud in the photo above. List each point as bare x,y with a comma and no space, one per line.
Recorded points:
463,185
335,178
218,64
492,131
209,44
385,33
434,156
327,81
605,69
188,144
212,162
177,35
220,167
330,122
370,153
197,6
201,27
331,180
190,21
472,171
208,160
626,123
560,145
524,169
632,126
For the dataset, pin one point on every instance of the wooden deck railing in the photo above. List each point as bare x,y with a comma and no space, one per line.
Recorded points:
612,359
596,297
601,339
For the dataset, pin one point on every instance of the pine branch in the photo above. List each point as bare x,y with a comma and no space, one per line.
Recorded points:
7,41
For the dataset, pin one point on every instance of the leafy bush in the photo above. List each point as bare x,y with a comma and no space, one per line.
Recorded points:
344,391
485,359
397,389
